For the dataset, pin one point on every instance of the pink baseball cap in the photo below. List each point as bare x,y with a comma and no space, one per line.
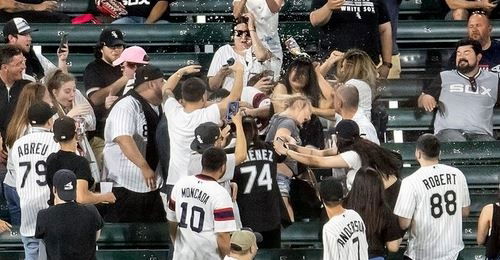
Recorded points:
134,54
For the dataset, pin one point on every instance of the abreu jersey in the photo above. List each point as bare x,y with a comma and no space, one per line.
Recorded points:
202,208
433,197
29,155
258,193
344,237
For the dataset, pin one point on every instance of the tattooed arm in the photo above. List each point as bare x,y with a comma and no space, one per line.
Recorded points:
12,6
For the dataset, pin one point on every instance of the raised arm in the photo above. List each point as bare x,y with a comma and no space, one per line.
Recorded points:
238,8
261,52
322,15
326,66
156,13
334,161
240,150
172,82
235,94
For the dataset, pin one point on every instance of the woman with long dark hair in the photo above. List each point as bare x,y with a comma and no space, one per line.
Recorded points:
367,199
258,193
302,77
351,152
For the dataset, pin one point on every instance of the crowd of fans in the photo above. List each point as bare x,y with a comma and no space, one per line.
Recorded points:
167,148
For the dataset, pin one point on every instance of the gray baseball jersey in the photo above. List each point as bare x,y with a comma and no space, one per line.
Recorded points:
29,155
126,119
433,198
344,237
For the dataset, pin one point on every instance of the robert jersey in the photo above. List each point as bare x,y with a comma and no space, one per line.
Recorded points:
433,197
28,157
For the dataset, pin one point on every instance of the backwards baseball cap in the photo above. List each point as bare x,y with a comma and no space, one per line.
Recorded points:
39,113
17,26
244,239
65,184
64,129
347,129
134,54
332,189
111,37
147,73
205,136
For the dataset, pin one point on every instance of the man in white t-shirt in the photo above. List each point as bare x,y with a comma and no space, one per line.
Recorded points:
200,212
248,50
346,101
344,236
184,118
432,202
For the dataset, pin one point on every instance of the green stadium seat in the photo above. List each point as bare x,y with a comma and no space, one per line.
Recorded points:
73,6
289,254
401,89
168,62
134,235
478,177
460,153
472,253
302,233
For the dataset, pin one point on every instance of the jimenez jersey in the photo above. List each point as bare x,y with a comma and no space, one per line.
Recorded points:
258,194
202,208
29,155
433,197
344,237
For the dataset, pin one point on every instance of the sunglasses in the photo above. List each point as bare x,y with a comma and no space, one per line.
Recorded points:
479,12
473,84
239,33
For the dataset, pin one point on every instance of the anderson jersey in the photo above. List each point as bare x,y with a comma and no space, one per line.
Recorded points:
202,208
29,155
344,237
258,193
433,197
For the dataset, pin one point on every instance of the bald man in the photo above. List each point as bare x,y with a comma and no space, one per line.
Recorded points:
345,101
479,28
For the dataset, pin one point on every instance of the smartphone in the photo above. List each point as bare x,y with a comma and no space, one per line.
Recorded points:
64,42
232,109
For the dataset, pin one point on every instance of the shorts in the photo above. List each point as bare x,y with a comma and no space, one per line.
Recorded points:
283,184
135,207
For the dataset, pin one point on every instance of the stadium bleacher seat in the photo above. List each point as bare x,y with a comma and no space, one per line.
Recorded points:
73,6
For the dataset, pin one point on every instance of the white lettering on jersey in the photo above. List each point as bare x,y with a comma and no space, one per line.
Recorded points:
135,2
456,88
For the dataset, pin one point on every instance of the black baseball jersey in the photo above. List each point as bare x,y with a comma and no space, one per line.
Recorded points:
258,194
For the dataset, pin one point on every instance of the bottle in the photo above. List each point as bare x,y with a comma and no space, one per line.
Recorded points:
294,48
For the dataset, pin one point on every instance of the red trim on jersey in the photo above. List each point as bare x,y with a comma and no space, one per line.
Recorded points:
224,214
171,204
205,177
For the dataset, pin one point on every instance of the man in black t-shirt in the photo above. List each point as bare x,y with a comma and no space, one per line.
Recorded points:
68,229
145,11
361,24
66,158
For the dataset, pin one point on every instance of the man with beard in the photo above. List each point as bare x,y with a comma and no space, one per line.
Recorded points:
464,98
17,32
479,28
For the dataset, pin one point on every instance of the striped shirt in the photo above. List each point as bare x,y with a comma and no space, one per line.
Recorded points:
28,156
433,197
202,208
126,119
344,237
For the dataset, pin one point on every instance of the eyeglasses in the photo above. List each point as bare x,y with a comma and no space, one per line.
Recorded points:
116,48
239,33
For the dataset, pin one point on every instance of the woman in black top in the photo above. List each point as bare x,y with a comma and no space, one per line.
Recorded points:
367,199
488,230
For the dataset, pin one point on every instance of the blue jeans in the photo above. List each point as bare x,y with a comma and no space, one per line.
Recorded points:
133,19
13,203
34,249
377,258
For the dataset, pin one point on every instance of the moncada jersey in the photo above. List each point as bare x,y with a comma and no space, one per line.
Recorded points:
433,197
344,237
202,208
29,155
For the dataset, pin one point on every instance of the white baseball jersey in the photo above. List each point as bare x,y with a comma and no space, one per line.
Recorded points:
29,155
202,208
344,237
126,118
433,198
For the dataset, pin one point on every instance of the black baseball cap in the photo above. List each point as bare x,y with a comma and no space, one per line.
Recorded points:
347,129
64,129
332,189
65,184
147,73
39,113
17,26
205,136
111,37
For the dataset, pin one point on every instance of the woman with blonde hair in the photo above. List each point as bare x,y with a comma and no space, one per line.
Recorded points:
18,127
297,111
